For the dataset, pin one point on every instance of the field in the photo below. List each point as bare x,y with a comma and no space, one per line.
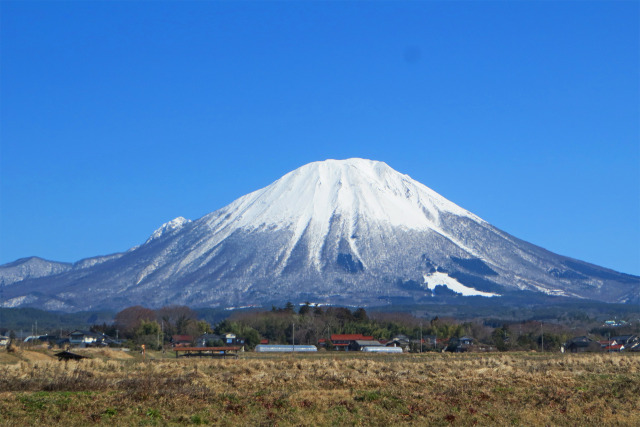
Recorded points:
113,388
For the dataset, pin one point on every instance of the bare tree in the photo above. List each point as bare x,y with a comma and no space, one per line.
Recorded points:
129,319
177,319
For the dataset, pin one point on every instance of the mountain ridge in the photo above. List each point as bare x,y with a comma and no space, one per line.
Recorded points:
352,232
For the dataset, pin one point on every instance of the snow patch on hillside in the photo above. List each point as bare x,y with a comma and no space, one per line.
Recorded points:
442,279
18,301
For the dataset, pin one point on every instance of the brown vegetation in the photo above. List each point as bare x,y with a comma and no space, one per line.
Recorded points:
327,389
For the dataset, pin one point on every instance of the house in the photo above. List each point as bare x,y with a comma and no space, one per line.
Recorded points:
181,340
614,347
466,340
581,344
459,345
4,341
81,338
607,343
359,345
401,341
232,339
342,341
626,340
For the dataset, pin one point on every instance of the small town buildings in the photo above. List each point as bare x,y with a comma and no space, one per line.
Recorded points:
466,340
460,345
581,344
232,339
607,343
401,341
81,338
614,348
343,341
359,345
181,340
626,340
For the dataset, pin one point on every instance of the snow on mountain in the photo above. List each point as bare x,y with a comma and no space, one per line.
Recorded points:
168,227
33,267
307,200
90,262
353,188
442,279
349,231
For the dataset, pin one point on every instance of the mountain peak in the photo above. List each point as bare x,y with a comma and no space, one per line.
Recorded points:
354,195
353,188
350,231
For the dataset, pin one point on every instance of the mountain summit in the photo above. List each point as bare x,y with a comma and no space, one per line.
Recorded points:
352,232
352,198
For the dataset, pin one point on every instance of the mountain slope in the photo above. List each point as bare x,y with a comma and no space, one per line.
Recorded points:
344,232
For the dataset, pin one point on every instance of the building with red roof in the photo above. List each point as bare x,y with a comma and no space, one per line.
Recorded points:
342,341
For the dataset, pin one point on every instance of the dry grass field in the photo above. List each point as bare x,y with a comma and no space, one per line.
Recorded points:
323,389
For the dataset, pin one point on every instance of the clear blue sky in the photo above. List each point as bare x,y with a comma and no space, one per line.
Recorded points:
119,116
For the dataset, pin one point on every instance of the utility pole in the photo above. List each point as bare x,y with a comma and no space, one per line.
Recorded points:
504,339
293,338
420,337
541,338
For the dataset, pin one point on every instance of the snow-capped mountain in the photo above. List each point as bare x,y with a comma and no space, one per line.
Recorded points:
340,231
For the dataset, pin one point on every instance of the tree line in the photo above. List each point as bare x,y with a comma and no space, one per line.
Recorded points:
308,324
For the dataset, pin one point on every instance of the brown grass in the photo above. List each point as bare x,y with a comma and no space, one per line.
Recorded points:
327,389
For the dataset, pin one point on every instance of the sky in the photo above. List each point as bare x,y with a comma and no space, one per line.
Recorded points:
118,116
